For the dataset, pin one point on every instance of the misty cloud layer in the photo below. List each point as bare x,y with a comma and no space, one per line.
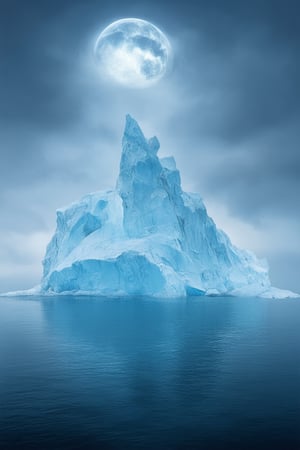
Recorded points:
229,111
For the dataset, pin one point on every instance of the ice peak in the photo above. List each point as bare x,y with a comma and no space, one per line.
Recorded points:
134,137
132,129
153,144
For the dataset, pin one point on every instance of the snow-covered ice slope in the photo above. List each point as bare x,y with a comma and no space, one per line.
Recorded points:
147,237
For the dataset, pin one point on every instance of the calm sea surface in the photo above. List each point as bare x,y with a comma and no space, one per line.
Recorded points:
88,373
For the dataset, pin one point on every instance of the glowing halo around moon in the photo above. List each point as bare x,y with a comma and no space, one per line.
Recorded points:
133,52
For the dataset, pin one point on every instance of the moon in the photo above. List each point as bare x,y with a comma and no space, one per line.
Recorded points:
132,52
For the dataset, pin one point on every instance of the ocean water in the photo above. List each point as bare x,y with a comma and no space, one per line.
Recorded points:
196,373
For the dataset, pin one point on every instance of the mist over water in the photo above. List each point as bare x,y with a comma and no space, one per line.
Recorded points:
84,372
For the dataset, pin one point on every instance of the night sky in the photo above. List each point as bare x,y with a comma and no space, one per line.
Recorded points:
229,111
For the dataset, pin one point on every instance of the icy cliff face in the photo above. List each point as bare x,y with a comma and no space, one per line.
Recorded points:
147,237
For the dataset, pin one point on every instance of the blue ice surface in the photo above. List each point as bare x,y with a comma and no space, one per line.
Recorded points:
147,237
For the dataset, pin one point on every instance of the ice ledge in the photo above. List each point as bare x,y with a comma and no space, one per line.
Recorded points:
272,292
248,292
36,290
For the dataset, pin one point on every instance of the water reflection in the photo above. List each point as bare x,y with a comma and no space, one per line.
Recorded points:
143,373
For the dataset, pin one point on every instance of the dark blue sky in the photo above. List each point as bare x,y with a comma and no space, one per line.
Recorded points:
229,112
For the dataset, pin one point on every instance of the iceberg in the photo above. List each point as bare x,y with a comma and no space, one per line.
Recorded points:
147,237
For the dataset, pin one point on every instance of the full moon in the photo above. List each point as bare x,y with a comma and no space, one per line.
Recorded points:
133,52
